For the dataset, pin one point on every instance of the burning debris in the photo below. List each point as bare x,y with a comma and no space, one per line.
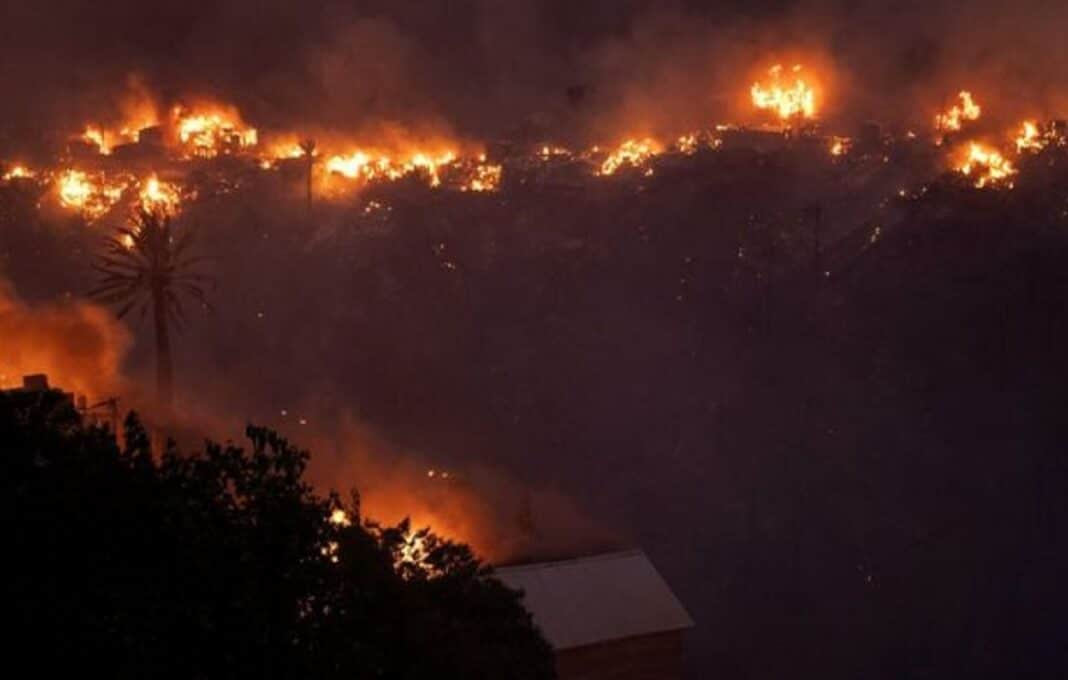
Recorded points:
91,194
788,100
18,172
632,152
158,196
986,167
207,134
369,166
953,119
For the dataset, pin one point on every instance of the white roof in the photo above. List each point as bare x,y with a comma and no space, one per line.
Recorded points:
597,599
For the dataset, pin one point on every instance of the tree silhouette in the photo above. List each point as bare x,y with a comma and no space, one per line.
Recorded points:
225,563
308,147
146,267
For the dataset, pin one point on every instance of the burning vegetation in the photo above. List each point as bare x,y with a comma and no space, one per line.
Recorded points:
986,167
953,119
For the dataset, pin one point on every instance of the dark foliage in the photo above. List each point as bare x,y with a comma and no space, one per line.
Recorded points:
225,564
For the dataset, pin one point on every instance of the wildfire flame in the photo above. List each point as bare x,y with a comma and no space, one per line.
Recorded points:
157,196
954,118
632,152
840,145
1030,138
986,166
369,166
787,100
208,134
93,195
486,177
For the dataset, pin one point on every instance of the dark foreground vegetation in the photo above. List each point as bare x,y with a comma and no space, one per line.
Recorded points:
225,564
833,415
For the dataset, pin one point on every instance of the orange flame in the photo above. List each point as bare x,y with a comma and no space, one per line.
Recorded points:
954,118
93,195
632,152
789,100
986,166
1030,138
369,166
487,177
157,196
207,134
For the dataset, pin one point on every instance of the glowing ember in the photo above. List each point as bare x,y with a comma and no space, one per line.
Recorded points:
209,134
633,152
19,172
955,117
486,178
340,518
548,152
157,196
986,166
92,195
786,99
687,144
840,145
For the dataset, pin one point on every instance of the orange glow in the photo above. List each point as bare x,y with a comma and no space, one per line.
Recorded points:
92,195
548,152
208,133
986,167
79,346
369,166
954,118
487,177
19,172
157,196
840,145
340,518
786,99
95,135
138,115
632,152
687,144
1030,138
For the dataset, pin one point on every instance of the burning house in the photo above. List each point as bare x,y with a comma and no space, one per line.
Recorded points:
606,616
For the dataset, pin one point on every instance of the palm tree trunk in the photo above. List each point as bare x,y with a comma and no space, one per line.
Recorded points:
164,367
311,168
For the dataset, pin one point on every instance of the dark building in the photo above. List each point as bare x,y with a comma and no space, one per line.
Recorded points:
607,616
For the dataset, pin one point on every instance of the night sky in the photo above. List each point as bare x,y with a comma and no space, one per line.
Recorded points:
835,460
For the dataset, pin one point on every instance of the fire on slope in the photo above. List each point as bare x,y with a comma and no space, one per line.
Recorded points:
986,166
953,119
209,131
788,100
367,166
632,152
92,194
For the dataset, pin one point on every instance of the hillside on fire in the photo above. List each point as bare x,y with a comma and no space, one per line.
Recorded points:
734,332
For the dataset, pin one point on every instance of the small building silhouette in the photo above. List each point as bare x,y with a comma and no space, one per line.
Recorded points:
606,616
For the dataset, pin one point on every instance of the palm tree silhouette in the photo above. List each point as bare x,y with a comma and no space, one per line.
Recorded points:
145,267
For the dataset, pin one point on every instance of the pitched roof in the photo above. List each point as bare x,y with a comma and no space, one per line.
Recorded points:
597,599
